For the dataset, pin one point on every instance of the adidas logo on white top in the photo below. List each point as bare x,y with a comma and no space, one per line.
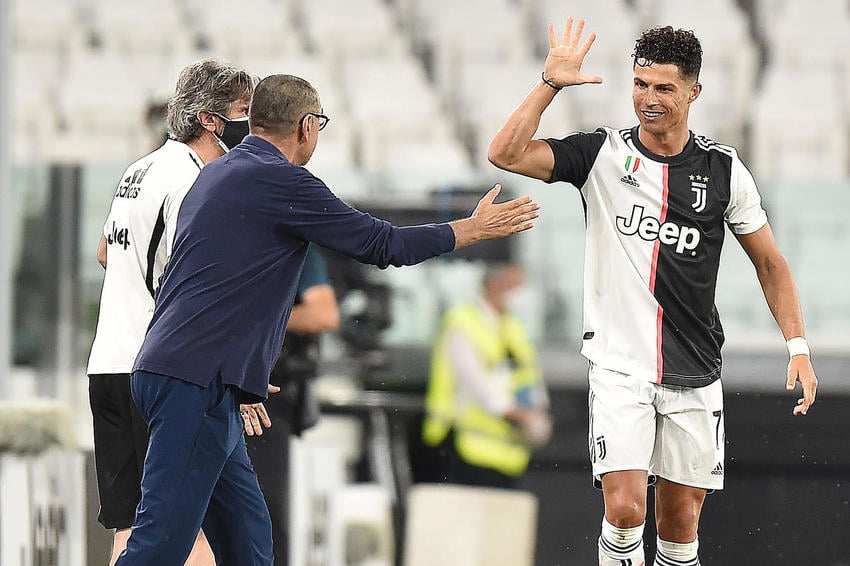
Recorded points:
629,180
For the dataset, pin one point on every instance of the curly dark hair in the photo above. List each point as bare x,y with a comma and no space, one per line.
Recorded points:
664,45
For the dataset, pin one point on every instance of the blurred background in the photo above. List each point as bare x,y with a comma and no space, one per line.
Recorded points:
415,90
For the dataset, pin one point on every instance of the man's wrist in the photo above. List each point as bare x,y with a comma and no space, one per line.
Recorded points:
549,83
798,346
465,231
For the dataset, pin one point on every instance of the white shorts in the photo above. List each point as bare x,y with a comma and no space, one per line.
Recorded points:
672,432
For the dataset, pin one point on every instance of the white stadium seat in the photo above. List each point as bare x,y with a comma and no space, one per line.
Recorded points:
253,27
141,26
495,527
341,28
792,140
46,24
101,94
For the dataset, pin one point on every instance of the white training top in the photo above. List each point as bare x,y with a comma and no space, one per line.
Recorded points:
139,233
655,228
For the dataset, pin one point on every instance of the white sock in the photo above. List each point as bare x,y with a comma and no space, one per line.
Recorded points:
677,553
621,547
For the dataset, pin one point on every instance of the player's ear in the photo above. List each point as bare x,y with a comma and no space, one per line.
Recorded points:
207,120
696,89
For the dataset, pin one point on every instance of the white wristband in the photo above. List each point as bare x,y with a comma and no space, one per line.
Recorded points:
798,346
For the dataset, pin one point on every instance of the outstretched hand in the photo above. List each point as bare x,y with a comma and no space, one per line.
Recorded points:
800,369
491,220
563,63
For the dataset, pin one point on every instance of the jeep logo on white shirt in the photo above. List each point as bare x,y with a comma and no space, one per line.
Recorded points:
120,236
649,228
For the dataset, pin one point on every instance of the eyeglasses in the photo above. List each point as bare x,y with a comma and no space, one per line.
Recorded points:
323,120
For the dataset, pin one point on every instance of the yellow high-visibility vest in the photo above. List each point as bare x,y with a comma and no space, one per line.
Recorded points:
481,439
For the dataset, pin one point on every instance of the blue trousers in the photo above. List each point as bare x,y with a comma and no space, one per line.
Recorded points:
196,473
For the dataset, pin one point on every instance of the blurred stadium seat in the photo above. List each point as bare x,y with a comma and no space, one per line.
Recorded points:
341,28
47,24
140,26
473,526
254,27
799,136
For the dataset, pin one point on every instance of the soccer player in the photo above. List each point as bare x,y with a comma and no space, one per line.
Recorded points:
657,198
218,325
206,116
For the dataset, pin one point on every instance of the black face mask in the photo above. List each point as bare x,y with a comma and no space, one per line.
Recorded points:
234,132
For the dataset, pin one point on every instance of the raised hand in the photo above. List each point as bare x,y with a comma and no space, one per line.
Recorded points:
563,63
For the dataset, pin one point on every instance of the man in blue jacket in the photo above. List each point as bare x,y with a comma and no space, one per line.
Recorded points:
223,304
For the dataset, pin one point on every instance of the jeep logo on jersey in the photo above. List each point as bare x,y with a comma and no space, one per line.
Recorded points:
120,236
649,228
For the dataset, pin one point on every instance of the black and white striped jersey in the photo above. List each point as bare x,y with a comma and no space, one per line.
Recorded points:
139,232
655,228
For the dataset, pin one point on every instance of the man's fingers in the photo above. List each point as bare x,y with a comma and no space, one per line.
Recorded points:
568,28
553,41
588,42
810,392
521,205
593,79
792,380
246,420
491,194
273,388
264,416
577,36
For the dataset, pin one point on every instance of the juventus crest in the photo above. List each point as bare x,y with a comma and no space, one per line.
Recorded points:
699,184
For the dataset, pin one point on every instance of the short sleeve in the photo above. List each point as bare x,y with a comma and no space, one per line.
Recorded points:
315,270
575,155
170,209
744,214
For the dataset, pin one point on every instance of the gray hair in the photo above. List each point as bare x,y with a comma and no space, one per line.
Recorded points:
205,85
280,101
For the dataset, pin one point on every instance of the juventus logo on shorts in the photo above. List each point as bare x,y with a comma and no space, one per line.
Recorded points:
600,450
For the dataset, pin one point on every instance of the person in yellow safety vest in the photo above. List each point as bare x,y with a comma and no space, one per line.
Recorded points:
486,404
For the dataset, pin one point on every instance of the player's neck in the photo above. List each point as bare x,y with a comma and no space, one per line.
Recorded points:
666,144
288,145
206,147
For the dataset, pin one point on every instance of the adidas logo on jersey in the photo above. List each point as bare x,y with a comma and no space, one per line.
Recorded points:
718,470
629,180
650,229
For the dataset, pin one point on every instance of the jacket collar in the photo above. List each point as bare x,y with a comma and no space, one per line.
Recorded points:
263,145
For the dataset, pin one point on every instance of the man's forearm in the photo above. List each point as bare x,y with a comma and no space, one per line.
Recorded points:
782,298
513,137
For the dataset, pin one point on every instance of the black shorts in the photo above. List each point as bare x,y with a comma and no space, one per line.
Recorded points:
120,444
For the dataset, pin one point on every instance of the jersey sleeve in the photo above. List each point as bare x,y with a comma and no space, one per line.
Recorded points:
170,209
744,214
315,271
575,155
